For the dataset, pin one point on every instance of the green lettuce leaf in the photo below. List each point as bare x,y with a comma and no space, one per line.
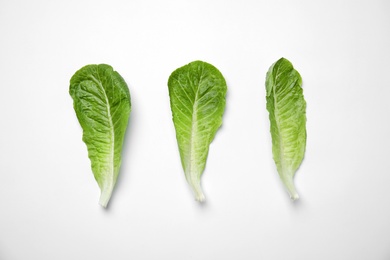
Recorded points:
101,100
287,114
197,94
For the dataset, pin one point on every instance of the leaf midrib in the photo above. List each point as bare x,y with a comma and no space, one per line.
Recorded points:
112,133
194,127
281,146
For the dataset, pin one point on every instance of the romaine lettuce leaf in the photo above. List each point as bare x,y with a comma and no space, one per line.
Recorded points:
197,94
101,100
287,113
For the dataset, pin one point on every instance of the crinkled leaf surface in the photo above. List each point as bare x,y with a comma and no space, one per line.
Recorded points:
197,94
287,113
101,100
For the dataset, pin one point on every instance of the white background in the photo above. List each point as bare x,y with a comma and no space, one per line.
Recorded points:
49,198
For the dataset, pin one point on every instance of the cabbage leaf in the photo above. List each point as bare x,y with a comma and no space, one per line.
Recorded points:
197,95
287,113
101,100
